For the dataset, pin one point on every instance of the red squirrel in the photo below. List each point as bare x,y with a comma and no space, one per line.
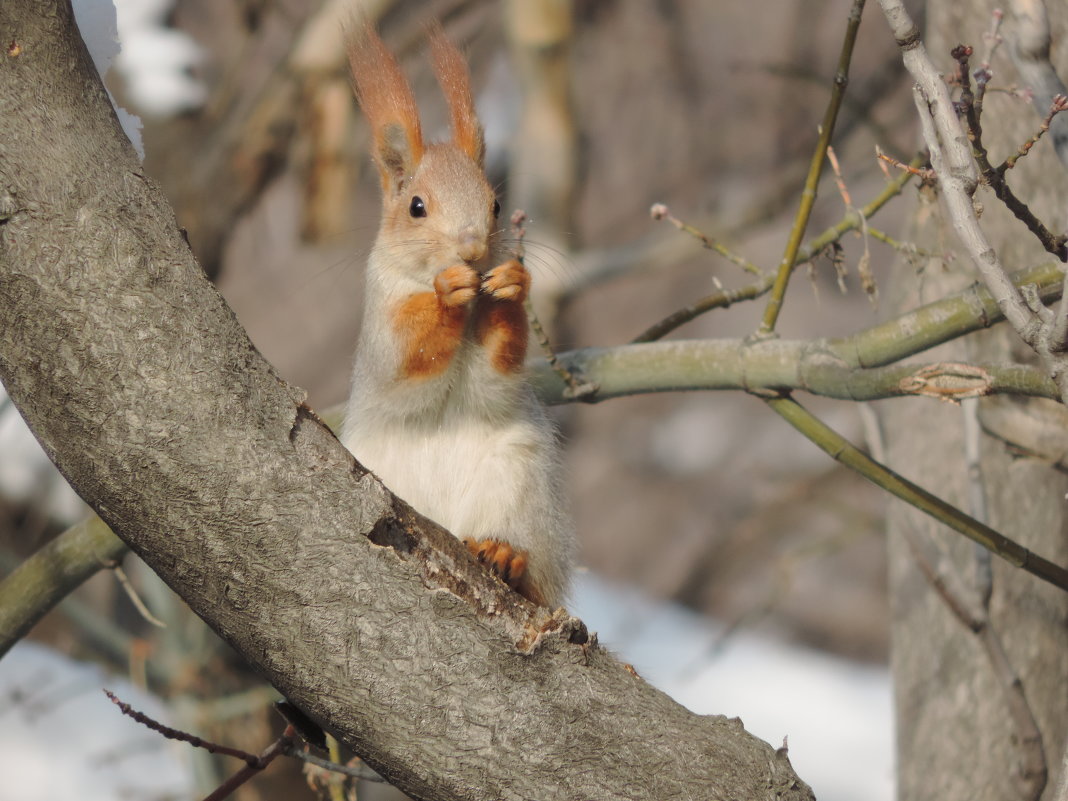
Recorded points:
439,408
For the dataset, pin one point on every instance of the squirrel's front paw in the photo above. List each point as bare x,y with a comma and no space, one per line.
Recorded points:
508,281
457,285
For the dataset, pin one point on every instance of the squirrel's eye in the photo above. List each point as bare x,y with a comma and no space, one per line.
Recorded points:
496,209
417,207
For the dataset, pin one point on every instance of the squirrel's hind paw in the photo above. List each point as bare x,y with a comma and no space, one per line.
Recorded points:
509,563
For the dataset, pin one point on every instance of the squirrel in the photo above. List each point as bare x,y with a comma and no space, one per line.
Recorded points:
439,409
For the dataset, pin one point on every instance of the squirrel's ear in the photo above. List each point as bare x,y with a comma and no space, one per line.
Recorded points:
451,71
387,100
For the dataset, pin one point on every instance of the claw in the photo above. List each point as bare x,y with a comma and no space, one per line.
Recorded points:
508,563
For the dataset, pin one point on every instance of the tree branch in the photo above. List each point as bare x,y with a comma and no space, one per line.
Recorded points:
148,395
45,579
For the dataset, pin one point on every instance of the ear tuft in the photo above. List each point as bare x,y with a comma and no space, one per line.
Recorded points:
387,100
451,72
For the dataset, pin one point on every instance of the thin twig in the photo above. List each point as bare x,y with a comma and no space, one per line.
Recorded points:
178,734
577,389
360,771
867,279
273,751
717,300
1056,106
135,598
925,173
984,576
1030,49
808,194
993,38
660,211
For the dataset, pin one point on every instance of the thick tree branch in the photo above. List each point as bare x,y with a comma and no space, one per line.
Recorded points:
147,394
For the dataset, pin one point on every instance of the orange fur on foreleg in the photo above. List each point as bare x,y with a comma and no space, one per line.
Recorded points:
431,324
501,321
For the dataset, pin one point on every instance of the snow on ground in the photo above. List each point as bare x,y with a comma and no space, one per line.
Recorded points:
60,736
836,713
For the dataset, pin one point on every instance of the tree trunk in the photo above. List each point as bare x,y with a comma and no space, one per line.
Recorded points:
148,395
962,729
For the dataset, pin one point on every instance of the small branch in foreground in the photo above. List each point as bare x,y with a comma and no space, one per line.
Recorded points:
254,763
178,734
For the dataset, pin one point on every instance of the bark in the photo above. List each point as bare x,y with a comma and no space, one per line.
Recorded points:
148,395
962,730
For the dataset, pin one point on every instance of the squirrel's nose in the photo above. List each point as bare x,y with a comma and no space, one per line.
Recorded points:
472,247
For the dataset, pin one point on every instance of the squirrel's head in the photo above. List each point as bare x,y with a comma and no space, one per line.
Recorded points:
437,193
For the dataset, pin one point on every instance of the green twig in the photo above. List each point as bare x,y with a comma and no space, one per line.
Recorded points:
720,299
808,194
852,221
941,321
845,452
335,783
45,578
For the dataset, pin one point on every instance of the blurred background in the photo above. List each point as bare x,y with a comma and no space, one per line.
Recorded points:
726,557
